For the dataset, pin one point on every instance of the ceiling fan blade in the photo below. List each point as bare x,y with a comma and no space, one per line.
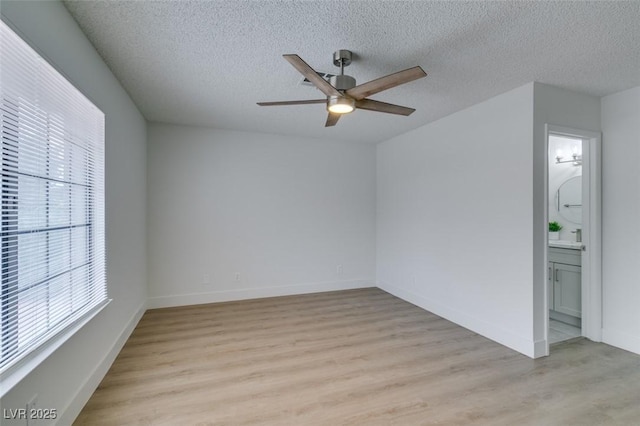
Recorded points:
371,105
311,75
303,102
387,82
332,119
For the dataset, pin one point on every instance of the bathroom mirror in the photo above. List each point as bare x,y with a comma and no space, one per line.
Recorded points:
569,200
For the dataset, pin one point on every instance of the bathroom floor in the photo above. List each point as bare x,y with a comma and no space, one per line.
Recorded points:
559,331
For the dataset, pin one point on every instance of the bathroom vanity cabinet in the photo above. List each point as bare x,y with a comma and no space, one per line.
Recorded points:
565,285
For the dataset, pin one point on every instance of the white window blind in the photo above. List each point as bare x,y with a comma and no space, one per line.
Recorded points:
53,239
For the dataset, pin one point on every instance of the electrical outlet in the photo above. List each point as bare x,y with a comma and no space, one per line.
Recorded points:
32,405
236,277
339,270
206,279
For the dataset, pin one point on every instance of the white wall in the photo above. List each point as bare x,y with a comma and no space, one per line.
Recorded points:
454,201
621,219
282,212
67,378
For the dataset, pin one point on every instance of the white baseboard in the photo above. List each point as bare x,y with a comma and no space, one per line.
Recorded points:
253,293
489,330
69,414
621,340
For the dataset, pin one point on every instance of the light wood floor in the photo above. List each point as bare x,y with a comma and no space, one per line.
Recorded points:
359,357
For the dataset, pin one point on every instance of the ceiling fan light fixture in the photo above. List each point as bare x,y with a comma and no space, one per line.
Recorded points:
340,105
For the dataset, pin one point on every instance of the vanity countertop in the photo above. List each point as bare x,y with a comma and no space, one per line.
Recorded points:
565,244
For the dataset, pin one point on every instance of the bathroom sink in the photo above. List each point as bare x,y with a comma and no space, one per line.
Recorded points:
565,244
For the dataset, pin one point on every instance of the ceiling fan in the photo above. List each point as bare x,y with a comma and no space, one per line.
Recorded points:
343,96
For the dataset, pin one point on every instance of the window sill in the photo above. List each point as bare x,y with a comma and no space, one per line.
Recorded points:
14,374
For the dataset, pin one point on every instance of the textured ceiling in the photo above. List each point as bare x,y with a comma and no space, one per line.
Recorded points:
208,62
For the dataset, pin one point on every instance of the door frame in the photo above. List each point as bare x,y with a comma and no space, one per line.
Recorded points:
591,230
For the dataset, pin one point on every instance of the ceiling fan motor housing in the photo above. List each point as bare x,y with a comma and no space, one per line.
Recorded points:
343,82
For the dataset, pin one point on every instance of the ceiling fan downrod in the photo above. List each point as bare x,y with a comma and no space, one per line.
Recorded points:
342,82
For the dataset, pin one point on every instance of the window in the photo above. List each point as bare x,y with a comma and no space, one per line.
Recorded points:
53,242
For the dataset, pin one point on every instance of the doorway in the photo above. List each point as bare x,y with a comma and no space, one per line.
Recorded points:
573,249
